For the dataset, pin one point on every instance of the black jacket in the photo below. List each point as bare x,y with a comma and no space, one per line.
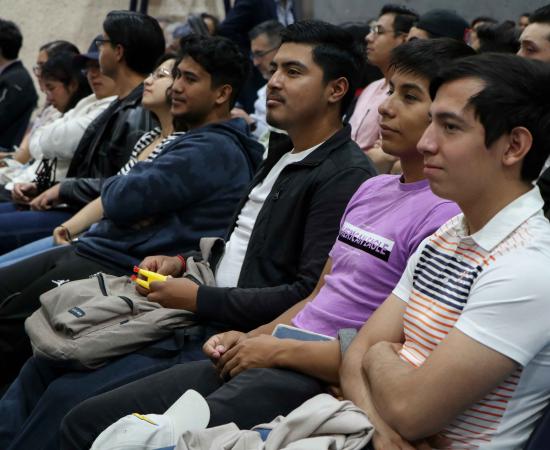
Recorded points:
17,101
293,233
107,143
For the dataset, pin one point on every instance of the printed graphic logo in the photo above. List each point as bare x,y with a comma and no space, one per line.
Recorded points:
77,312
377,246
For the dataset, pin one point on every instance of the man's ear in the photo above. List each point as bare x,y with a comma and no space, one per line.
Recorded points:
223,94
119,52
402,37
337,89
519,143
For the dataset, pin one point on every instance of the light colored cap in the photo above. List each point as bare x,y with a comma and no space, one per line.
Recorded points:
153,431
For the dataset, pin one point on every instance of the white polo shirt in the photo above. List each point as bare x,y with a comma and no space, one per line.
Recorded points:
494,286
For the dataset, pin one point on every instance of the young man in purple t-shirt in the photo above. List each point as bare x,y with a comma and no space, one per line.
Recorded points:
382,226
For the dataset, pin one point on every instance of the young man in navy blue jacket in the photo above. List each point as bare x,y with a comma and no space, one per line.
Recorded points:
188,191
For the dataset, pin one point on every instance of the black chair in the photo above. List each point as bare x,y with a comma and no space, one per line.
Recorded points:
540,437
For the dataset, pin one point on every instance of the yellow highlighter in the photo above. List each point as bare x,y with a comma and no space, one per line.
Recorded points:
148,277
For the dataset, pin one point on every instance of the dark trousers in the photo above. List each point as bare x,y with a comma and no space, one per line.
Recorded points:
19,227
43,393
254,396
21,285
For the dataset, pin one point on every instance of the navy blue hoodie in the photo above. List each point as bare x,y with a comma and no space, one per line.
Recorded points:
189,191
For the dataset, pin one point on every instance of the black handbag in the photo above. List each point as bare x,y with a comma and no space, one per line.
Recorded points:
45,174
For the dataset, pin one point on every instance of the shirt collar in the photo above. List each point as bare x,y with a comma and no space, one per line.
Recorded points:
505,221
5,66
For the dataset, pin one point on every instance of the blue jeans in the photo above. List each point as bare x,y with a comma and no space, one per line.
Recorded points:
27,250
19,227
34,405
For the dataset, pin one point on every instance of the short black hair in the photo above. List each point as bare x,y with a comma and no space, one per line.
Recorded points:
213,18
58,46
335,50
486,19
11,39
139,34
404,18
426,57
516,94
61,67
501,38
220,57
541,15
271,28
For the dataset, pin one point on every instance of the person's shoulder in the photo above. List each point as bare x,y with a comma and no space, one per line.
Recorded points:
16,73
346,154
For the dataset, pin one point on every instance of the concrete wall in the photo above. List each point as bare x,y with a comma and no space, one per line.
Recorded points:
337,11
78,21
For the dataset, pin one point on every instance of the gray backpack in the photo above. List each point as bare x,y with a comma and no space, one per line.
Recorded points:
84,323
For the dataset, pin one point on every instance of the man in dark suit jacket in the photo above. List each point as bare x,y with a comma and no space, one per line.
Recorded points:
17,93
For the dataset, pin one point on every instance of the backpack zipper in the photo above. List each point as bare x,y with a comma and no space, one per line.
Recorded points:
101,281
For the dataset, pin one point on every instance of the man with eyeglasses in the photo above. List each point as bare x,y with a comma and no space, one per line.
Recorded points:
17,93
265,39
391,29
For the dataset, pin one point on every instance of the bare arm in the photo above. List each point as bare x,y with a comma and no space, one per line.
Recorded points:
386,324
460,370
289,314
22,154
83,219
221,343
382,161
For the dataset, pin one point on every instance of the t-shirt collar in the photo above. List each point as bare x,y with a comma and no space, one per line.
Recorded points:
505,221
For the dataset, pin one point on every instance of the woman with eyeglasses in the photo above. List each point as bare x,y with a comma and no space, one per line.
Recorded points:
156,99
21,155
52,145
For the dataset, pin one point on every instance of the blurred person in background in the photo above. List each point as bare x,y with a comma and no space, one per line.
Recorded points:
18,96
438,23
501,38
48,113
523,21
265,40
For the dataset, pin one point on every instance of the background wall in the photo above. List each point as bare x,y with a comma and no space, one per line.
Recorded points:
337,11
79,21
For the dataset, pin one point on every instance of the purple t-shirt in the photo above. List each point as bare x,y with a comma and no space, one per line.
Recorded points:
382,225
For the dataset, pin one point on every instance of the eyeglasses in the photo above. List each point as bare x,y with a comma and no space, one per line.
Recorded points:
90,68
260,54
378,30
100,41
161,72
37,69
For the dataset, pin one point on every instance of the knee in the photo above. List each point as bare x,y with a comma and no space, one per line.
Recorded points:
74,431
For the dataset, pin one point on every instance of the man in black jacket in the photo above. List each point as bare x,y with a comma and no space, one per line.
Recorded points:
17,93
280,239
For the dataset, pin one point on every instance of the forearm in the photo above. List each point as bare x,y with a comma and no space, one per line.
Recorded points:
389,379
289,314
23,154
285,318
83,219
317,359
381,160
355,386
